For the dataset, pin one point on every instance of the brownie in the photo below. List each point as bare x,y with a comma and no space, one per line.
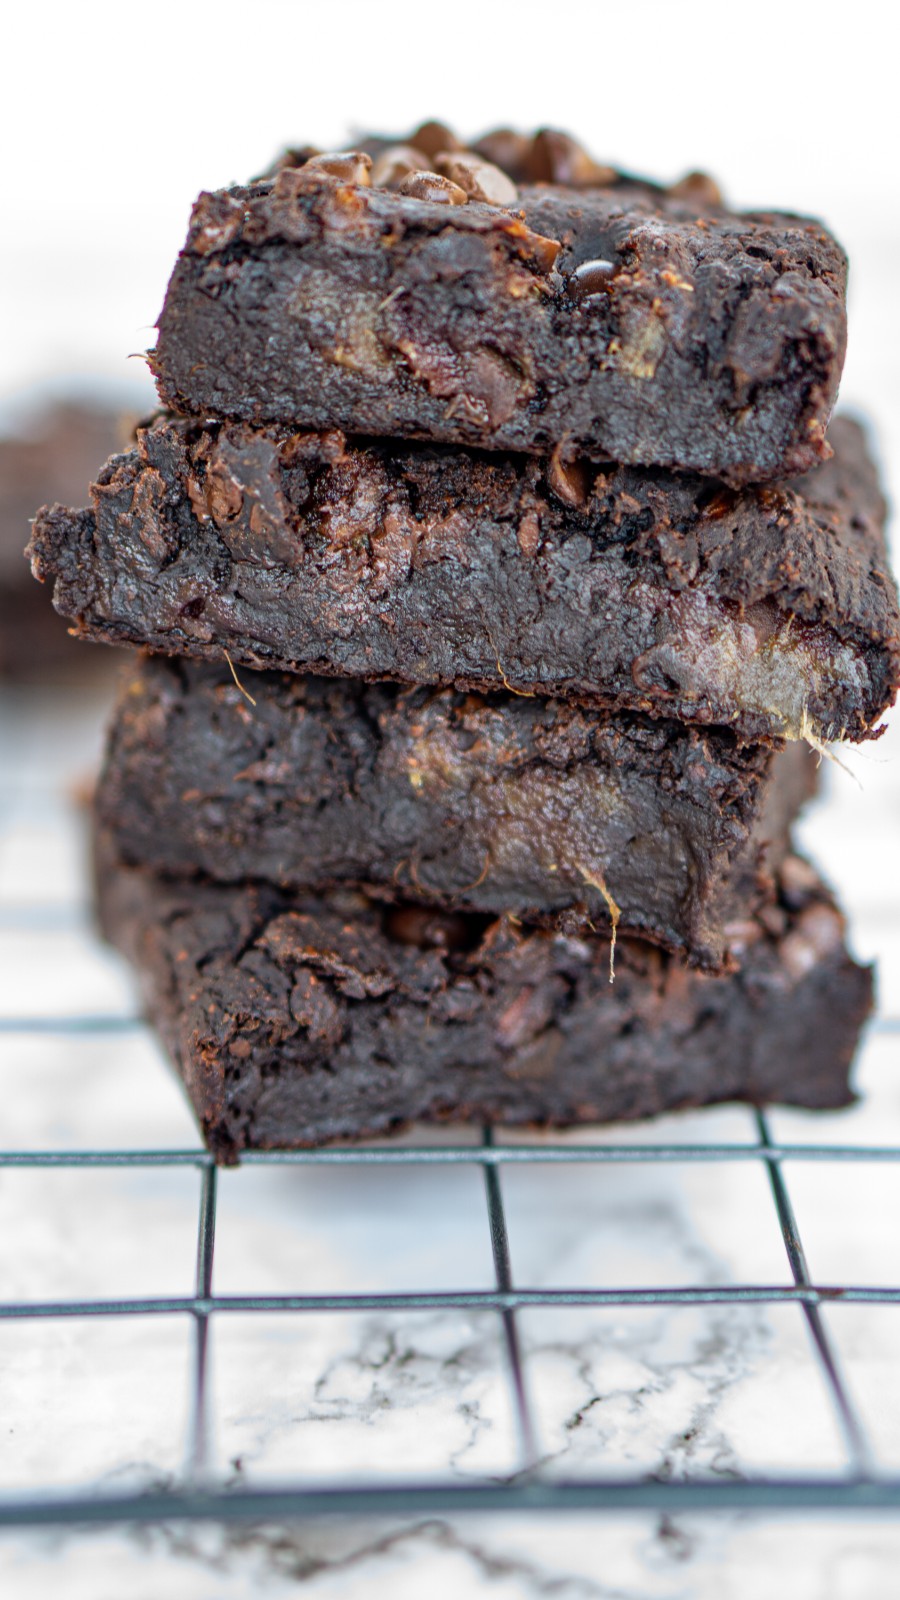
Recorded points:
296,1021
55,457
572,306
494,805
772,611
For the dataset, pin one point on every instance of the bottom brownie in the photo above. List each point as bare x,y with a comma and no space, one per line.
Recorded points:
296,1021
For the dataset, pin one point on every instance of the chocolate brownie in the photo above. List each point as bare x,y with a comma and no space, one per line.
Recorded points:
768,610
295,1021
570,306
55,457
496,805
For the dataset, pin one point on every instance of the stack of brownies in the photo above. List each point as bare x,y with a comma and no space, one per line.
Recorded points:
506,477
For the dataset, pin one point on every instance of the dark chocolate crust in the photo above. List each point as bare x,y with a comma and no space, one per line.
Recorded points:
503,805
298,1021
56,458
771,611
621,320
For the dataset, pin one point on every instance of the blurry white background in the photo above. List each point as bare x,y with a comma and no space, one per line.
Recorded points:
113,117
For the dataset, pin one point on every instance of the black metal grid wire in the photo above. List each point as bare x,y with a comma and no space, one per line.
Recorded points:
860,1487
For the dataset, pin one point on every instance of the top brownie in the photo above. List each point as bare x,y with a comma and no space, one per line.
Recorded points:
515,296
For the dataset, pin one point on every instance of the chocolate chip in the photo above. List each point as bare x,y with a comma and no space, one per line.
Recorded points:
346,166
429,930
591,277
508,150
529,533
396,163
480,179
774,920
699,189
434,136
798,882
568,479
556,158
716,503
434,187
741,935
296,156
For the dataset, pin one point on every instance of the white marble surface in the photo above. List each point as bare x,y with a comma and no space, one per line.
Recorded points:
104,1403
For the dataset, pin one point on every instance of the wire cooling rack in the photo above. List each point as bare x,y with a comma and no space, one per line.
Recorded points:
200,1493
861,1486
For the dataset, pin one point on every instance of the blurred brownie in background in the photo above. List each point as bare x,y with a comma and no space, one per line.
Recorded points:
54,456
